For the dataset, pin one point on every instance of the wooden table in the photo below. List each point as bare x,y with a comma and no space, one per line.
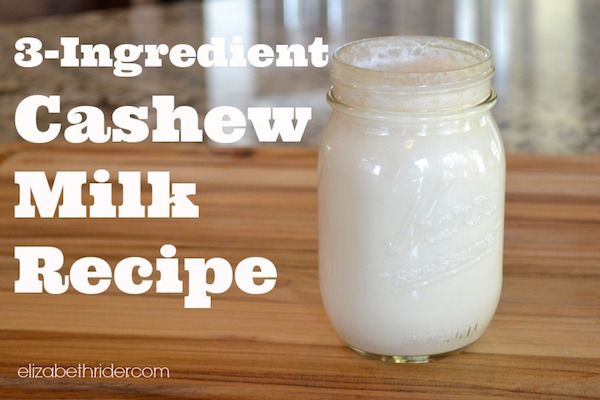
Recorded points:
544,341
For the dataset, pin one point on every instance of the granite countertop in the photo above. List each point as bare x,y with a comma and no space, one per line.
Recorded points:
546,56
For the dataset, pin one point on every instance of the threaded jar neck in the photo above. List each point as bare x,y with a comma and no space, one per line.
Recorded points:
419,74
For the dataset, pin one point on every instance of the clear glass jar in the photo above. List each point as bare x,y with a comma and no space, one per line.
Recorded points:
411,197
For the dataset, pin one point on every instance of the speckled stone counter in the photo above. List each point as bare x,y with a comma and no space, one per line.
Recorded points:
546,54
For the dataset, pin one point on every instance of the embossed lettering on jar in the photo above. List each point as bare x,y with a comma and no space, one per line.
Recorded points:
411,197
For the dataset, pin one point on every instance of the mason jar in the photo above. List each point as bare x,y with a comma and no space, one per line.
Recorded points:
411,197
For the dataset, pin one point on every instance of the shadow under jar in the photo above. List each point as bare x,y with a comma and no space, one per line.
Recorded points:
411,197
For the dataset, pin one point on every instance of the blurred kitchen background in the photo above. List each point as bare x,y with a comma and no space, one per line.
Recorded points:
546,52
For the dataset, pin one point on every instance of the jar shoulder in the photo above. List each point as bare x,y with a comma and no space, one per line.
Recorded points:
472,143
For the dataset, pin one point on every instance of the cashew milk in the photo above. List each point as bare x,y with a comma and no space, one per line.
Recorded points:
411,197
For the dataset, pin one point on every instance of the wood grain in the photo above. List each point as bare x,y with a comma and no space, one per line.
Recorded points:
544,342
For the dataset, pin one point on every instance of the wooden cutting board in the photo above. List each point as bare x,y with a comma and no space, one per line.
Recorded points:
544,341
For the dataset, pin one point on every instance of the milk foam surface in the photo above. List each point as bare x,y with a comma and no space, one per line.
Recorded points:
414,74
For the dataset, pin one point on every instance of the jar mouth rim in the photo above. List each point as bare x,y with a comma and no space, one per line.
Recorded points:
465,61
370,113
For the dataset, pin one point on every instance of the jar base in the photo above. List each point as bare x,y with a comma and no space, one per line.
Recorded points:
409,359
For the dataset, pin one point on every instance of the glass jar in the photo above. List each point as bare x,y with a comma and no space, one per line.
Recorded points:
411,197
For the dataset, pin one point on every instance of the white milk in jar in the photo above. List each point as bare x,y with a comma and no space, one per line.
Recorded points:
411,197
